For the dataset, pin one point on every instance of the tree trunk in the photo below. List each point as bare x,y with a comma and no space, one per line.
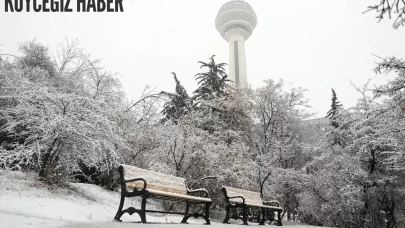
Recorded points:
43,170
48,158
390,213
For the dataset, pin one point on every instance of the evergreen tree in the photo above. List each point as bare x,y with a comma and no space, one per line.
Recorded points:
334,111
212,84
219,109
179,103
390,9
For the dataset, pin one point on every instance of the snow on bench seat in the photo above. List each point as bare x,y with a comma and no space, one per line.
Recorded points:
159,184
244,204
137,182
252,198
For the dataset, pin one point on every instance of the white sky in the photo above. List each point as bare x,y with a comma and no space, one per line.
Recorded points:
315,44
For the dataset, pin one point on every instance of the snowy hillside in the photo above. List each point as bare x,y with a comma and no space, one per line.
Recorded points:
26,202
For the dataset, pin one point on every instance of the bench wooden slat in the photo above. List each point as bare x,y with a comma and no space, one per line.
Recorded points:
181,196
250,197
150,187
155,180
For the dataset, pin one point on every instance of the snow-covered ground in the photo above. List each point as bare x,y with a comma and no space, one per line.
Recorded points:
26,202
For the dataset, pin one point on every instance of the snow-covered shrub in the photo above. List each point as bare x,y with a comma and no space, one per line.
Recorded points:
54,132
64,124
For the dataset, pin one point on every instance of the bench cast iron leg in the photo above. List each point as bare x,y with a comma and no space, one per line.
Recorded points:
263,219
129,210
245,217
207,214
142,213
279,219
186,216
227,216
119,212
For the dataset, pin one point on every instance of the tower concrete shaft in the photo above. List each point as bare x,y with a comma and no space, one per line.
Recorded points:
237,62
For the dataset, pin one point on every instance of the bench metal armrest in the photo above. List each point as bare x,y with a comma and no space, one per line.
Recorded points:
270,202
234,197
200,190
137,179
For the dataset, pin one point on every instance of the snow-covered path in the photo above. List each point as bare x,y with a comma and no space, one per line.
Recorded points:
214,225
22,221
28,203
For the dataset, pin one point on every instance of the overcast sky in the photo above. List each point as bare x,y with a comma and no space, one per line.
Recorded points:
314,44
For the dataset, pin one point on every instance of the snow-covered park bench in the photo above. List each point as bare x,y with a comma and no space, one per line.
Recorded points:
248,205
153,185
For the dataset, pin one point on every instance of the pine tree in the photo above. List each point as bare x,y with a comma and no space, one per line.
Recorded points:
179,103
212,84
334,111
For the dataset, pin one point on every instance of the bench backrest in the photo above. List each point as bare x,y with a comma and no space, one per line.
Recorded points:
250,197
154,180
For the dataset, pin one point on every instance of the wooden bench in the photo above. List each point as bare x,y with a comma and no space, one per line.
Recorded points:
153,185
248,205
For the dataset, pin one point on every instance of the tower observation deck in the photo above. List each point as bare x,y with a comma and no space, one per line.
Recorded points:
236,21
